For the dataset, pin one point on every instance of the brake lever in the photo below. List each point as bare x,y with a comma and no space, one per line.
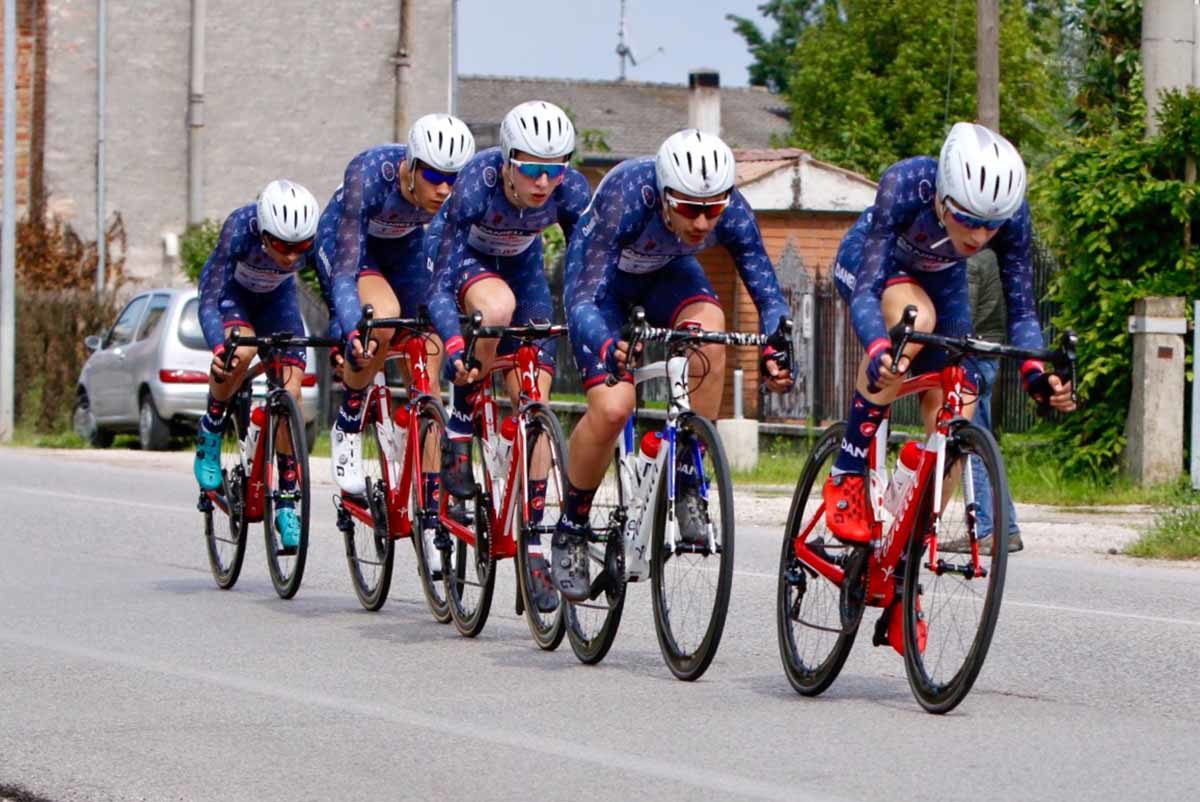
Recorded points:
230,352
631,334
469,360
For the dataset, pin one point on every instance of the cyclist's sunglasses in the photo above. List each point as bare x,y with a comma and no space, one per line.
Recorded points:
284,247
969,220
437,177
535,170
690,210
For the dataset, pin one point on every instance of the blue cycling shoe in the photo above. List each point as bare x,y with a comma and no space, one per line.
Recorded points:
287,524
207,466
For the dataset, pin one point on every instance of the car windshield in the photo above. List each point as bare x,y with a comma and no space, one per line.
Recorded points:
189,326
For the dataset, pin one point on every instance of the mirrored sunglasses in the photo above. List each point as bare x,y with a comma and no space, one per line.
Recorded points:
284,247
535,170
437,177
969,220
690,210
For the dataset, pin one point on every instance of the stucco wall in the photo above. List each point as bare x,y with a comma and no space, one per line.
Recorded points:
288,92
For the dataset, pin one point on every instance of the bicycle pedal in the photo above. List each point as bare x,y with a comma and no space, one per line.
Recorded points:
286,551
205,503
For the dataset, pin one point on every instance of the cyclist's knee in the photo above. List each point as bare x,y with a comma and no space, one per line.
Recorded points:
495,300
609,407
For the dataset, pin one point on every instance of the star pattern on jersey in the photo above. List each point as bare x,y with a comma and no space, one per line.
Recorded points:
619,221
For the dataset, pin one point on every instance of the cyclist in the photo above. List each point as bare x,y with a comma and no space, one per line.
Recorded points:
485,247
636,245
248,282
910,248
371,251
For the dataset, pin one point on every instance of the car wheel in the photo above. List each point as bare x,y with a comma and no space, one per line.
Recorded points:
153,432
85,424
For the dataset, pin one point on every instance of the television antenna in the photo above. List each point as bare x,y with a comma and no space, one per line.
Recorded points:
624,51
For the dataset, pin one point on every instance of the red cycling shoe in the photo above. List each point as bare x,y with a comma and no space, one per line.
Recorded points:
846,508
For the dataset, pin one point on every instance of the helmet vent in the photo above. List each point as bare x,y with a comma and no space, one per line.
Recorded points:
982,178
968,166
691,167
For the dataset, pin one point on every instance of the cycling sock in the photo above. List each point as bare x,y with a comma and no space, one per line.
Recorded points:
349,417
577,506
462,402
861,424
214,418
432,483
537,506
287,480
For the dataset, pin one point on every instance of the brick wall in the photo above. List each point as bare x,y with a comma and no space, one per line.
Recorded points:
25,83
816,237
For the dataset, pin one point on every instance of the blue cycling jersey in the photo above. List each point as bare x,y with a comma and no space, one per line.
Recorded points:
478,222
623,231
901,232
368,221
239,258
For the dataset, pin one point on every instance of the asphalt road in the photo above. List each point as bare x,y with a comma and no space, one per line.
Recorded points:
126,675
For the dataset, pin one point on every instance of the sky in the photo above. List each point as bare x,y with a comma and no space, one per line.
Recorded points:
578,38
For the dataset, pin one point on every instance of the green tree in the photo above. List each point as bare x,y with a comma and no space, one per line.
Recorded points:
771,54
1110,92
871,83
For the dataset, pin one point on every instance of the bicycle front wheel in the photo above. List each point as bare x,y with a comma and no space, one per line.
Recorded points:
284,492
471,568
951,606
814,641
592,625
370,552
691,571
431,562
226,539
545,459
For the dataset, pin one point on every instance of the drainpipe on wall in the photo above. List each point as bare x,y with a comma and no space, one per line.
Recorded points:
195,214
101,102
454,57
400,61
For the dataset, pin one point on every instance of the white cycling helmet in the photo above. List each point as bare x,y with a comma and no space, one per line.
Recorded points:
288,211
694,163
441,141
981,171
538,128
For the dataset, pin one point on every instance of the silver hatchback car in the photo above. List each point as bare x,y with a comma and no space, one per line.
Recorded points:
149,373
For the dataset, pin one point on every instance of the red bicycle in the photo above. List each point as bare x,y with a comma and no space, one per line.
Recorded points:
937,579
250,488
400,446
506,517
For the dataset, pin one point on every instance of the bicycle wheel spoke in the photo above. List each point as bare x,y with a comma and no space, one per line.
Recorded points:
369,556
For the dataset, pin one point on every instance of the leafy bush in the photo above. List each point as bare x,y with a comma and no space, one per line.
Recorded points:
197,242
57,307
1120,215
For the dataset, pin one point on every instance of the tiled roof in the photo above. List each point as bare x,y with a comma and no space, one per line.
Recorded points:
634,117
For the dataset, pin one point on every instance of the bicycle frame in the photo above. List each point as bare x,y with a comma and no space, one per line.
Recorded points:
506,482
397,477
637,526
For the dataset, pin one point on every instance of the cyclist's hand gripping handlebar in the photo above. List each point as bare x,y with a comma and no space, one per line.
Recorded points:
474,324
899,335
631,333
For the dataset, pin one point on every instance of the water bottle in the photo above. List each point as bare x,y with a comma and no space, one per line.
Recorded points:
508,432
648,453
398,438
903,477
258,418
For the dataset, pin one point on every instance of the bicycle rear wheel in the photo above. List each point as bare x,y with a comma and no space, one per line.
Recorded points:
592,625
471,569
286,565
813,641
691,581
431,562
950,618
370,552
545,456
226,539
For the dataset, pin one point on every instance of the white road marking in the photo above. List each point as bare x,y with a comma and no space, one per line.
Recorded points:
601,754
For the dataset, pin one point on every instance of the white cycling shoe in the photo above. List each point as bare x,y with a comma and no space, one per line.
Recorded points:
347,461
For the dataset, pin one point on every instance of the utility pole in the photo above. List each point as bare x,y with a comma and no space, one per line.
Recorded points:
987,63
623,50
1168,45
8,253
101,103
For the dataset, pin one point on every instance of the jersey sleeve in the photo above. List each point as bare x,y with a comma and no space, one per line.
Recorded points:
574,196
1013,245
738,232
216,275
322,267
887,217
445,246
613,219
351,239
